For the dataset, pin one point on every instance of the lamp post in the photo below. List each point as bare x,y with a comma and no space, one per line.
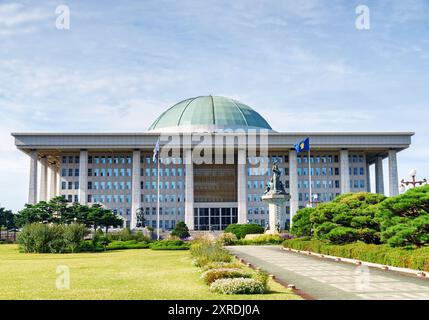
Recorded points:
413,183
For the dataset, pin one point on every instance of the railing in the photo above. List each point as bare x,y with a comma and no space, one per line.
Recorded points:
8,235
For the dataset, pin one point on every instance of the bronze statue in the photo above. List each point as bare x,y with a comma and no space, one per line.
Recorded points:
275,186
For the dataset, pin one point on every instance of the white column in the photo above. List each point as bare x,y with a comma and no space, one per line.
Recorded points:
58,182
43,179
52,182
189,189
135,188
32,190
83,177
242,187
393,174
293,184
379,180
344,171
368,178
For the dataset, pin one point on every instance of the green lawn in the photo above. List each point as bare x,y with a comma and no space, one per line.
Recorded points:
128,274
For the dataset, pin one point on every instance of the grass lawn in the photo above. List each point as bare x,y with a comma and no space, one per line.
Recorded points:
127,274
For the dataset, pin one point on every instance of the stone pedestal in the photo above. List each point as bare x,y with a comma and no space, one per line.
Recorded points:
277,211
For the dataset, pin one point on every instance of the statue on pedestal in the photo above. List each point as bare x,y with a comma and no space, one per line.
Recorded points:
275,195
275,186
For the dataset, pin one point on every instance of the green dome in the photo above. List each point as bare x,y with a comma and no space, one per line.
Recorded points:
208,113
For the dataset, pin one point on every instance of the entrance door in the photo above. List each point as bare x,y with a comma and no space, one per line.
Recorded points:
214,218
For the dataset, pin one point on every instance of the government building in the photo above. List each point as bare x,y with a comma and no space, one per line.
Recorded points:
214,163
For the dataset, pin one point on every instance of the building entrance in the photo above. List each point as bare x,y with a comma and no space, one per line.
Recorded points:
214,218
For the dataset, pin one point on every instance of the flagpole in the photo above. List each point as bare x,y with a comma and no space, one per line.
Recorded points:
157,202
309,177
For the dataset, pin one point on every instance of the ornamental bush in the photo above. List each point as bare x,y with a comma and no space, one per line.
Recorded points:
56,238
342,235
227,239
130,244
237,286
212,275
181,230
349,217
404,219
73,236
240,230
219,265
169,245
205,252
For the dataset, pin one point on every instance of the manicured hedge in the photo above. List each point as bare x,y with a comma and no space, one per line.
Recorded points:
383,254
169,245
240,230
131,244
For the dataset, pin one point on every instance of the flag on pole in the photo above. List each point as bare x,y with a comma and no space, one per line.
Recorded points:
155,151
303,145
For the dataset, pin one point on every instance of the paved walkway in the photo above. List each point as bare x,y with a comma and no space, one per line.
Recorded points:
325,279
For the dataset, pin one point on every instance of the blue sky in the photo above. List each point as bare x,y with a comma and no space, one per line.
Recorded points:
302,64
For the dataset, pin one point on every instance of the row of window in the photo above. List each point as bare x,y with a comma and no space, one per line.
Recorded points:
162,185
257,221
162,198
321,197
109,198
163,224
167,172
261,210
163,211
110,159
166,161
115,172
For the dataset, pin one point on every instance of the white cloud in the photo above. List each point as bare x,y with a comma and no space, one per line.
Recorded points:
17,19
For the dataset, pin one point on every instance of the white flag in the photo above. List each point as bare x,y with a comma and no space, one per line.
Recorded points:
155,151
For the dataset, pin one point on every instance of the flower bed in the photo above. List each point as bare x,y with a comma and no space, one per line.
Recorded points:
223,274
212,275
237,286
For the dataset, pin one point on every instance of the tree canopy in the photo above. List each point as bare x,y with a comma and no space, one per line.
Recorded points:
404,219
58,210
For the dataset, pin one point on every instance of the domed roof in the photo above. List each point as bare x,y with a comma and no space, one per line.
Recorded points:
207,114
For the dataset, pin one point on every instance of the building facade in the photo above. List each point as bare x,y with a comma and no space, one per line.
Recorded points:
214,163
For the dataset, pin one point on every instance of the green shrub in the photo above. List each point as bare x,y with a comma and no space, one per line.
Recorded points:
169,245
302,226
262,277
127,235
266,239
407,257
130,244
74,235
227,239
212,275
205,252
35,238
237,286
342,235
181,230
219,265
240,230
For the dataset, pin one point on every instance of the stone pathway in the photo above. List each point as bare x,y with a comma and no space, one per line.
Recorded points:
326,280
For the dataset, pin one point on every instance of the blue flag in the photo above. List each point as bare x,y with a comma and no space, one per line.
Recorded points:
303,145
